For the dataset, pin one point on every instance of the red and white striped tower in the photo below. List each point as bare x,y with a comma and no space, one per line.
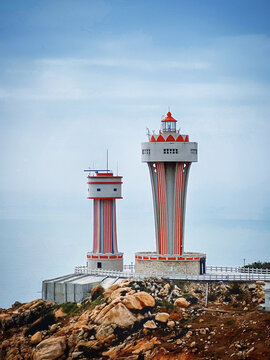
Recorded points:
169,155
104,188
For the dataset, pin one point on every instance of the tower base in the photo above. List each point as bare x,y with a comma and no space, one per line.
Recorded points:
153,263
105,261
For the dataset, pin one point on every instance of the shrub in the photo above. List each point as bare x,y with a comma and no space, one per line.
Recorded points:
96,292
70,308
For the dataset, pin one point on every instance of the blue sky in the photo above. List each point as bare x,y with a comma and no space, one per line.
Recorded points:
78,77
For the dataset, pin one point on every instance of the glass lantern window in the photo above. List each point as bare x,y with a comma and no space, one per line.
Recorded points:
169,126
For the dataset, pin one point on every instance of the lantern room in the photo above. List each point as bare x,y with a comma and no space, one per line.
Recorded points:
168,124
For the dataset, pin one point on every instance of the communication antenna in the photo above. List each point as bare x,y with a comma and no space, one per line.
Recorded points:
148,133
107,160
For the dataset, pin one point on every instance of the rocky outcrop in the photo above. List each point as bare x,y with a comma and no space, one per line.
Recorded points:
50,349
150,319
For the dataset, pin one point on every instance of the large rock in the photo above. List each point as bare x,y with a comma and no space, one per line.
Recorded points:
181,302
36,338
162,317
139,300
50,349
118,315
118,292
150,324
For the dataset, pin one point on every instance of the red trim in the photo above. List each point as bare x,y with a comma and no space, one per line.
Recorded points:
181,258
105,177
197,258
189,258
160,138
152,139
152,258
170,138
120,257
139,257
109,182
94,257
171,258
186,138
88,257
103,257
180,138
104,198
113,257
145,258
161,258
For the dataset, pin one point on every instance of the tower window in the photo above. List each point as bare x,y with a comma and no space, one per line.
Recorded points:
114,189
98,189
193,151
146,151
170,151
99,265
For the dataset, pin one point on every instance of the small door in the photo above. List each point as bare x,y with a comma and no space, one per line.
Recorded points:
99,265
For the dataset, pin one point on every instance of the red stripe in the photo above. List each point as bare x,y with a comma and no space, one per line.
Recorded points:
113,257
94,257
103,257
178,208
153,258
145,258
162,208
104,182
120,257
181,258
139,257
171,258
105,177
102,198
189,258
197,258
162,258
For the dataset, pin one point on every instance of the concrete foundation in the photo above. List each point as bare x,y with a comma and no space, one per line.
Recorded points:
188,263
105,261
73,287
267,299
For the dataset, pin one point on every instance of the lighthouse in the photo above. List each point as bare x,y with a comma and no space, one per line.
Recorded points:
169,155
104,188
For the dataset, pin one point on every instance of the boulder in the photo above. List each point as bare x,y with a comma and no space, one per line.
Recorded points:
171,324
36,338
59,313
181,302
162,317
138,301
260,282
120,291
145,299
118,315
150,324
50,349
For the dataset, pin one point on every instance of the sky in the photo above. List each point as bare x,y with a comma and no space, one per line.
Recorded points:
80,77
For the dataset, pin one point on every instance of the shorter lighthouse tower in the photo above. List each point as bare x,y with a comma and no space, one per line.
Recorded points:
104,188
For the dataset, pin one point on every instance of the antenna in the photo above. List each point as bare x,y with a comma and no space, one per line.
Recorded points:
107,160
117,168
169,108
148,133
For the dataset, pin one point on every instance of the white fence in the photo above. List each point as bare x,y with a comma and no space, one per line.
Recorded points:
233,276
241,270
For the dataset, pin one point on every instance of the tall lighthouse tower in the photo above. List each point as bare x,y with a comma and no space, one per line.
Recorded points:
169,155
104,188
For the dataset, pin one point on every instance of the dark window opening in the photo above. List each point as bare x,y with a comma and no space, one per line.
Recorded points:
114,189
99,265
98,189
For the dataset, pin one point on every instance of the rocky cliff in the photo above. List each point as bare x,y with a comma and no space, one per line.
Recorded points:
150,319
